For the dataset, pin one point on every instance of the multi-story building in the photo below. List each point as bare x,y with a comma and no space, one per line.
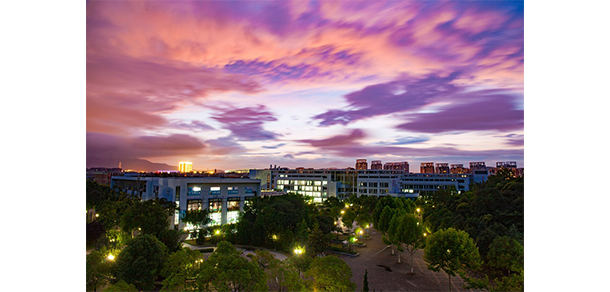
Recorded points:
429,182
404,166
426,167
361,164
224,197
185,166
376,164
477,166
442,168
458,169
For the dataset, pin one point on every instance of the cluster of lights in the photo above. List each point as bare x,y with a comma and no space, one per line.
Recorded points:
299,250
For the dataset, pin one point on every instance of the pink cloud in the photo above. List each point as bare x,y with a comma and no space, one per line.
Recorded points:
125,94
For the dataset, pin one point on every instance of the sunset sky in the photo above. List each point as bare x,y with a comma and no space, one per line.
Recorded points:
246,84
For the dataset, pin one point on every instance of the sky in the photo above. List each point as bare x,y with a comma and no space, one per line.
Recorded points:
248,84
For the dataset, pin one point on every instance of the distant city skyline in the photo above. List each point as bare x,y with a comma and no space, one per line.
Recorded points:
238,85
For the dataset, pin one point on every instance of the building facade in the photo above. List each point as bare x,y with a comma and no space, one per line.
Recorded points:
403,166
442,168
426,167
361,164
224,197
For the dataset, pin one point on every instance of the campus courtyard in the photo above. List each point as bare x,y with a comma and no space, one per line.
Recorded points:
385,274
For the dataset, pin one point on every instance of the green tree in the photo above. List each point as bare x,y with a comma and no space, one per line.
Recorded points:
121,286
281,275
505,254
95,271
181,269
349,217
319,240
141,261
198,218
452,251
410,232
227,270
365,282
149,217
330,273
392,236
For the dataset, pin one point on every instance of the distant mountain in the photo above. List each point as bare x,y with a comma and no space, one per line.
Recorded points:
128,163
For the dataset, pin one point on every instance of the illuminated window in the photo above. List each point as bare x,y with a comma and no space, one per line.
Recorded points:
193,205
214,190
193,190
233,190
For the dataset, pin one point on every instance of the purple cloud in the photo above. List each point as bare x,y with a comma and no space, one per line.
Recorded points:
247,123
127,93
494,112
397,96
338,140
349,147
274,146
193,125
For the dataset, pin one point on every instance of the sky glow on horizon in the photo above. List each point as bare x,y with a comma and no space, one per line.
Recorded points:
235,85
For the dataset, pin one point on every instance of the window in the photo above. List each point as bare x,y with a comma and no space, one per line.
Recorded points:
193,190
215,205
233,190
193,205
233,204
215,191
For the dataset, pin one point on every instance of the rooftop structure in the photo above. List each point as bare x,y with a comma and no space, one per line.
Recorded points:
426,167
376,164
442,168
361,164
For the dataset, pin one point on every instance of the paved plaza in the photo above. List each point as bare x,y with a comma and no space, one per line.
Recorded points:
385,274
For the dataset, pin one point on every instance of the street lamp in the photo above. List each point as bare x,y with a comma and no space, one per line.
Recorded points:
298,250
274,237
111,257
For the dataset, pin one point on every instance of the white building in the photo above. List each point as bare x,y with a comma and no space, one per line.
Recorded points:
225,197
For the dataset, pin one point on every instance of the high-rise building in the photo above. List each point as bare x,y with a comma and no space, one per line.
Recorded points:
361,164
185,166
404,166
426,167
458,169
376,164
474,166
442,168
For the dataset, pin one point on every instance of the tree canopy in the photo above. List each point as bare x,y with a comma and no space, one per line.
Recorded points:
452,251
141,261
330,273
227,270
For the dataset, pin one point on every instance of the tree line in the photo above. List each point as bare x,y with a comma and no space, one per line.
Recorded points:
131,247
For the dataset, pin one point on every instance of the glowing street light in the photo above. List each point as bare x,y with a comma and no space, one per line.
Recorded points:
299,250
342,212
111,257
274,237
217,232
